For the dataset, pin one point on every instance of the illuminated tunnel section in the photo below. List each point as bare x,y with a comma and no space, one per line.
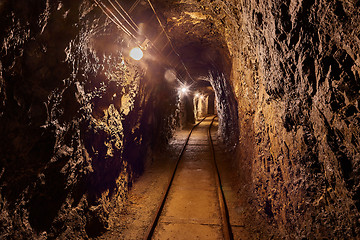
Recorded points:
196,102
209,64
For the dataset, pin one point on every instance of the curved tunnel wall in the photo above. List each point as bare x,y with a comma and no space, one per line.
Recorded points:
226,109
295,76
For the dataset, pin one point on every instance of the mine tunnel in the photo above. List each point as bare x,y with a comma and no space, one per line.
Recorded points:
249,108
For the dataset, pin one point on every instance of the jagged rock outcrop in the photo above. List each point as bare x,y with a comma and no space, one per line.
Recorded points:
78,119
295,75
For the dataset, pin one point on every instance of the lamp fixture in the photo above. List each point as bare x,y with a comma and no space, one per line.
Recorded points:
136,53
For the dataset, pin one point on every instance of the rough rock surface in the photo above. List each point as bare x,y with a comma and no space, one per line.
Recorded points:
295,77
78,119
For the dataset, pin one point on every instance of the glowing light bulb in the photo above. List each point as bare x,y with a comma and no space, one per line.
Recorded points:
184,90
136,53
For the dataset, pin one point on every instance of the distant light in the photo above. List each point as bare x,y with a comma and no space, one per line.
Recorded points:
136,53
197,94
183,90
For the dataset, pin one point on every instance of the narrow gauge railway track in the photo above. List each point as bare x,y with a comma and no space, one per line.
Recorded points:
193,205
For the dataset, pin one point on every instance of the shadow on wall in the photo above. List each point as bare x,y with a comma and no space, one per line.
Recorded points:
186,106
226,106
78,119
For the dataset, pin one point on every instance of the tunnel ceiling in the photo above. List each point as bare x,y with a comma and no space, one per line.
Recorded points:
196,38
193,35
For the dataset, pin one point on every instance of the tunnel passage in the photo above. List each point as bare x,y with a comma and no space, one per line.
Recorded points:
207,58
204,100
80,120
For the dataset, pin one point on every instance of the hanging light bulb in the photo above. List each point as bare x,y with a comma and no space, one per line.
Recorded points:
136,53
184,90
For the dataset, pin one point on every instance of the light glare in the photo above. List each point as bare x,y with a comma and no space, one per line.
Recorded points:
184,90
136,53
170,75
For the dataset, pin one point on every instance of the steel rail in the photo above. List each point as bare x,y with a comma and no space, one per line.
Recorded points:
151,230
225,220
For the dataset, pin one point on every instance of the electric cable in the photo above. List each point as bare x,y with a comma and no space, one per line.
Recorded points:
112,16
134,6
167,36
117,22
127,14
117,10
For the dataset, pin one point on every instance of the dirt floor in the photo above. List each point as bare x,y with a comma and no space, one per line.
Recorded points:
236,204
133,221
192,208
146,193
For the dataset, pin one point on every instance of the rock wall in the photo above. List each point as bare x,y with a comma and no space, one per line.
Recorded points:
227,109
295,74
78,119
